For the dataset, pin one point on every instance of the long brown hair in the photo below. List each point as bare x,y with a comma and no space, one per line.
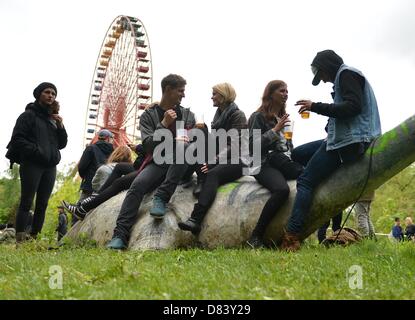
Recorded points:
120,154
266,106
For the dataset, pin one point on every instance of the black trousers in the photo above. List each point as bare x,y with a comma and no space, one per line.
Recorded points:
39,181
275,182
120,169
152,176
215,177
120,184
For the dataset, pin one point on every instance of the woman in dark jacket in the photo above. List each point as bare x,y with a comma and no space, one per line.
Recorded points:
276,165
37,138
228,116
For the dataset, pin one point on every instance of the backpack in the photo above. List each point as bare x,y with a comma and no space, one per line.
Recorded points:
344,237
12,154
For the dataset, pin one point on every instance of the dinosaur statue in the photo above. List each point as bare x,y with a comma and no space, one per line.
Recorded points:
238,205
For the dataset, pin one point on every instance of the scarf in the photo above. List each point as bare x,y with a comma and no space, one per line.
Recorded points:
221,117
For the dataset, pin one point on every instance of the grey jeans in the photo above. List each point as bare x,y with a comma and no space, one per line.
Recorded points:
364,224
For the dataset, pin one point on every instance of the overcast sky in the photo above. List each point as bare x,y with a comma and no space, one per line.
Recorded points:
246,43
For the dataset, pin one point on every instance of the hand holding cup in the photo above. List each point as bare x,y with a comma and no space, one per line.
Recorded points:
305,107
281,123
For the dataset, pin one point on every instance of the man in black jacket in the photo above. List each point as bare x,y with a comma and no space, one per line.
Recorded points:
160,116
37,137
93,156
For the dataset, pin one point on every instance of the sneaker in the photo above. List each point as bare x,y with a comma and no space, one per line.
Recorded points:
158,210
116,244
88,199
255,242
76,211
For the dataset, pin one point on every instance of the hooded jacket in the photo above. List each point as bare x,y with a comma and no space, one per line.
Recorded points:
354,116
36,138
351,87
93,156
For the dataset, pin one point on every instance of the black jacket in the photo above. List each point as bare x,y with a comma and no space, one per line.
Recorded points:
36,138
351,87
93,156
230,118
150,121
270,140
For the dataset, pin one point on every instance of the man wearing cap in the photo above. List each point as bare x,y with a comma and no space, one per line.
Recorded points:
352,125
36,140
62,227
93,156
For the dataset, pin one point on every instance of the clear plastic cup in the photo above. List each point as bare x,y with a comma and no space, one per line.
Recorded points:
288,130
305,114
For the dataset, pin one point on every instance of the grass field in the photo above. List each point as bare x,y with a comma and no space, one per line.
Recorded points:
33,272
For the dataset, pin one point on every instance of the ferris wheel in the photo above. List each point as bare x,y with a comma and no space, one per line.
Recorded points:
122,83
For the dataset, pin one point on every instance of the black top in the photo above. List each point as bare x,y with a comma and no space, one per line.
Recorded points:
37,139
93,156
410,231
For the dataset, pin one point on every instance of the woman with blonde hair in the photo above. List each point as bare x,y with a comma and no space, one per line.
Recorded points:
228,116
121,154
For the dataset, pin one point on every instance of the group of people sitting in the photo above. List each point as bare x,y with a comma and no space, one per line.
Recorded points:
353,123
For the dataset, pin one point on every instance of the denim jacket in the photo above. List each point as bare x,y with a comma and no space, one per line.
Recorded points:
361,128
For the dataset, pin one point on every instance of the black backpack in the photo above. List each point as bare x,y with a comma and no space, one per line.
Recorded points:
12,154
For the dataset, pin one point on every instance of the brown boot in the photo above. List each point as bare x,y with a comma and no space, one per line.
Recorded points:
290,242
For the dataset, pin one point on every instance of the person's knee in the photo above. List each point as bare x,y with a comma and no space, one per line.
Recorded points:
305,182
281,192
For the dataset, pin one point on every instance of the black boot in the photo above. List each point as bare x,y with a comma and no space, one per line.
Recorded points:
193,224
255,242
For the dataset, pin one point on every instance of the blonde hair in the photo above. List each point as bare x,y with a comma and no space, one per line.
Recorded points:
226,91
120,154
408,219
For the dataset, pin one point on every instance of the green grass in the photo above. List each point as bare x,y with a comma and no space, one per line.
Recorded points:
312,273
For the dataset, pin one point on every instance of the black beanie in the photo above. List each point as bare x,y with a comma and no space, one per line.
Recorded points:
44,85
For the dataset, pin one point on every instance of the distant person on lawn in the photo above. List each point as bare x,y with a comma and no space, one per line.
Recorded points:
397,230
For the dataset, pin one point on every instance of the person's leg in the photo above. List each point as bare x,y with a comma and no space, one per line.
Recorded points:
274,181
337,221
30,176
361,217
165,191
369,221
146,181
217,176
322,231
321,165
120,184
84,196
43,193
119,170
302,154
